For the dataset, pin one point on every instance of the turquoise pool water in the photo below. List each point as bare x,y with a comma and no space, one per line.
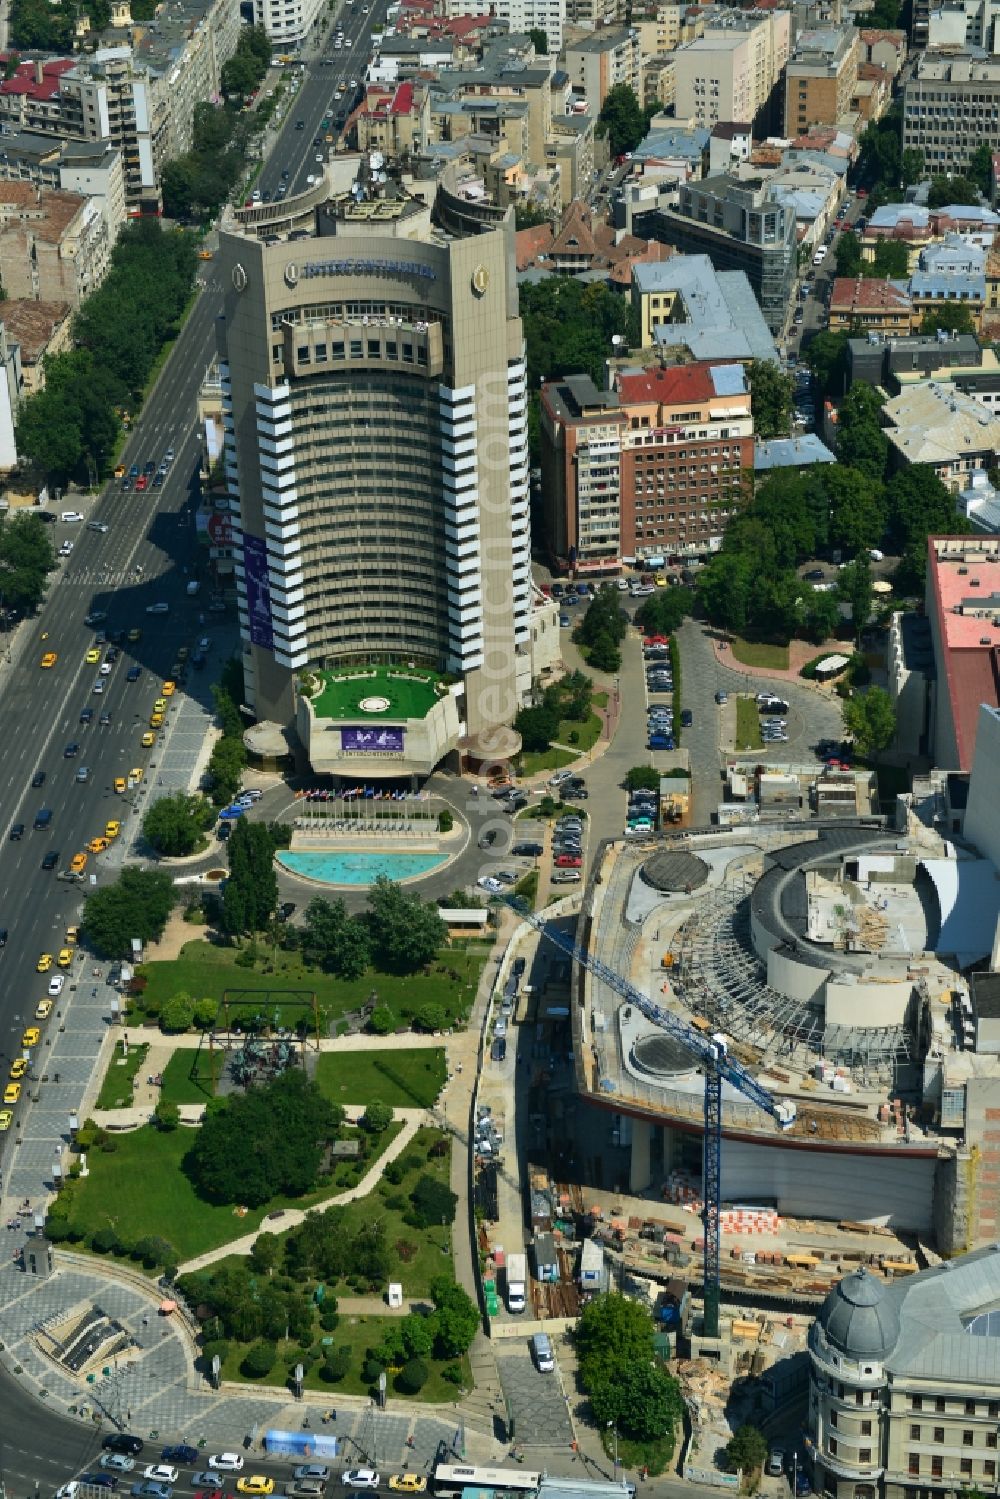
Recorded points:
357,868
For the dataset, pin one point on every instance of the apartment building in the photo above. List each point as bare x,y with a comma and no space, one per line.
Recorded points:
821,77
521,16
92,169
904,1382
136,92
374,400
951,105
502,74
54,246
287,22
740,226
651,468
965,24
874,306
596,64
731,71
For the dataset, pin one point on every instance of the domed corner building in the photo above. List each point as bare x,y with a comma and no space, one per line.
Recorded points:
904,1391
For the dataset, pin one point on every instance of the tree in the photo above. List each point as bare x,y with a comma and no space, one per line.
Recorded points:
747,1450
663,612
336,1362
417,1335
847,254
539,41
724,589
413,1376
178,1013
175,824
265,1253
861,441
826,356
771,394
377,1117
537,726
433,1202
621,119
226,765
981,168
854,585
919,505
604,654
912,166
950,317
604,617
858,509
947,190
617,1366
642,778
335,941
892,259
259,1360
205,1011
167,1114
267,1142
136,905
870,719
251,870
406,931
456,1317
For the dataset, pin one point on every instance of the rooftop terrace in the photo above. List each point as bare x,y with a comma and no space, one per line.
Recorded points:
376,694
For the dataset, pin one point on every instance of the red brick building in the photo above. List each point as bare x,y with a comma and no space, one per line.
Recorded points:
649,469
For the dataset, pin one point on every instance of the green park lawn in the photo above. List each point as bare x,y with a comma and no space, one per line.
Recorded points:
359,1334
191,1074
759,653
404,1079
748,735
116,1089
533,761
141,1188
205,970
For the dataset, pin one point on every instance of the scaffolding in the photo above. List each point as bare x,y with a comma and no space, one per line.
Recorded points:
718,976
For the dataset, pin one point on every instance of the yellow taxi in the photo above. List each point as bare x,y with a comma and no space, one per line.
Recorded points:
12,1093
155,720
93,656
168,689
18,1068
134,635
255,1483
49,659
5,1119
204,255
98,845
148,740
120,471
65,958
30,1036
160,706
72,936
408,1483
136,774
119,788
112,829
78,863
43,1009
44,963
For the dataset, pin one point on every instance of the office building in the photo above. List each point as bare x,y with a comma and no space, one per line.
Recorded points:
904,1380
731,71
684,303
740,226
596,64
650,469
374,400
821,78
951,106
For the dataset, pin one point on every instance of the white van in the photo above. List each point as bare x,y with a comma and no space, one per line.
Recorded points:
541,1351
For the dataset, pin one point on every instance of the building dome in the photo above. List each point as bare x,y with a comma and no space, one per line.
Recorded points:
859,1317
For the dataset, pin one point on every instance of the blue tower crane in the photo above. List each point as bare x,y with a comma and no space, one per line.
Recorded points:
713,1054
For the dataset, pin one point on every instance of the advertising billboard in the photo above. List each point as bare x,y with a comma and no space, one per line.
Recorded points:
372,741
258,592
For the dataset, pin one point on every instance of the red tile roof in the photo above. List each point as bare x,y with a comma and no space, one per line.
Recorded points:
867,294
25,81
676,385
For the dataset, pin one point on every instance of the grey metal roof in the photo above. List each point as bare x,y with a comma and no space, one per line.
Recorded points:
860,1317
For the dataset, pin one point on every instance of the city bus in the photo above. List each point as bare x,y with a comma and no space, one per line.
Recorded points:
451,1480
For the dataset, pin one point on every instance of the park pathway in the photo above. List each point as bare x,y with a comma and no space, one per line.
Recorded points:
413,1119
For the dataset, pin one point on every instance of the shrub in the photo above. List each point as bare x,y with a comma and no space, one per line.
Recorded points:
452,1373
445,821
381,1021
336,1362
371,1371
430,1018
167,1114
377,1117
104,1240
413,1376
259,1360
214,1348
394,1172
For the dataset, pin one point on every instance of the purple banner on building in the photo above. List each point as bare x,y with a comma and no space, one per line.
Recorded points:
372,741
258,592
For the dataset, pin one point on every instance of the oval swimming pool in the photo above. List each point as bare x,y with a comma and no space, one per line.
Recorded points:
357,867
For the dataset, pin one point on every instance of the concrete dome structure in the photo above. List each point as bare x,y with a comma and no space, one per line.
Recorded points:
860,1318
674,870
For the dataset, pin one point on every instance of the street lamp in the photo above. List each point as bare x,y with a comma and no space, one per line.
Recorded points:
613,1425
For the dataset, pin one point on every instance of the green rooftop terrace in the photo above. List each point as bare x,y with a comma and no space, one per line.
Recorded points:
361,694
